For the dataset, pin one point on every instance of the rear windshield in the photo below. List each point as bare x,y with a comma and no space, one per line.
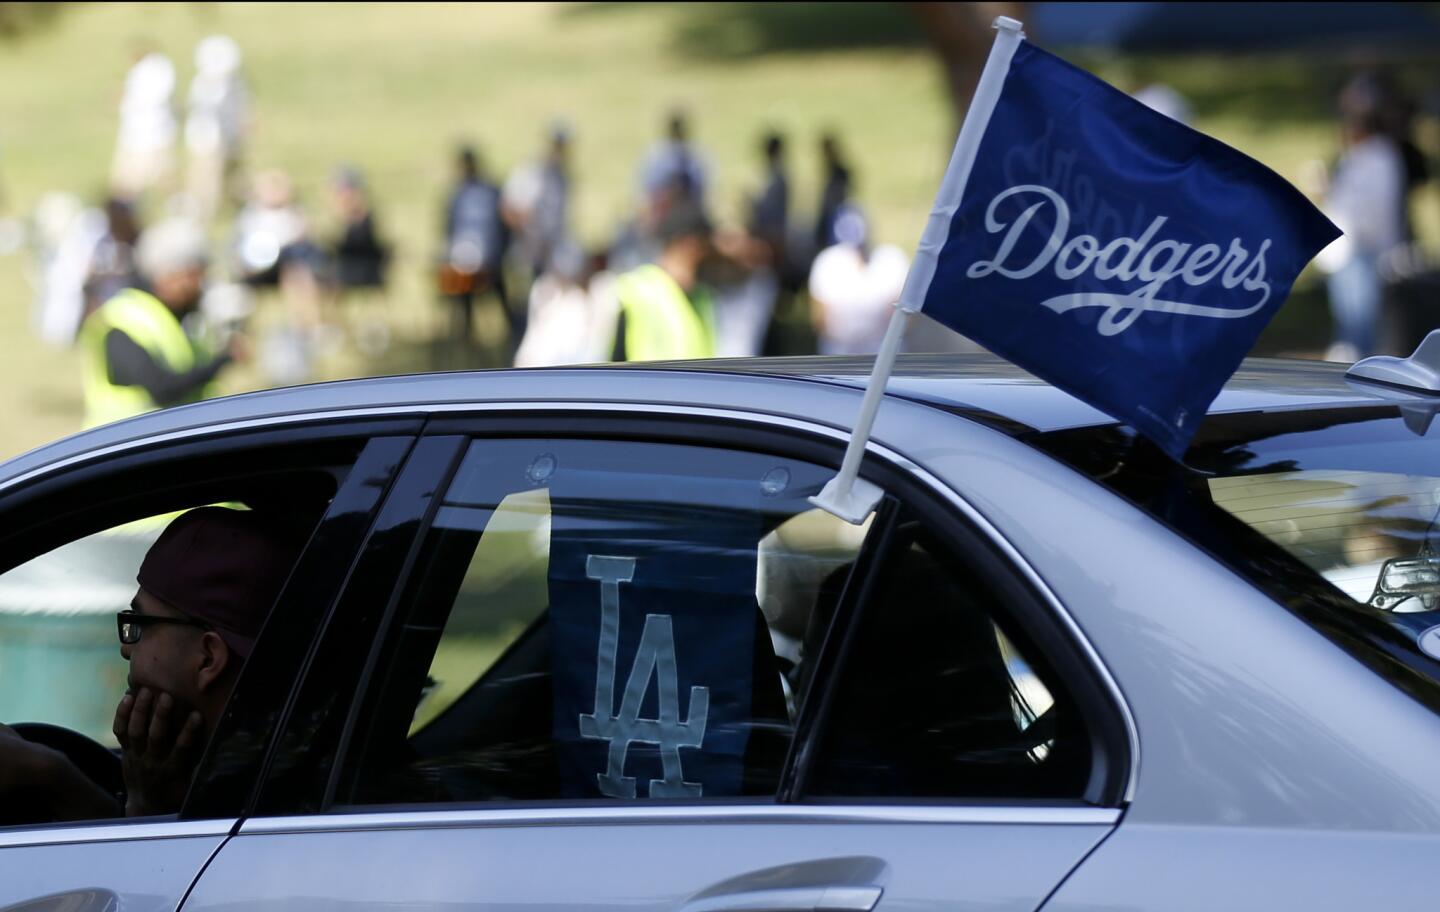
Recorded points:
1333,512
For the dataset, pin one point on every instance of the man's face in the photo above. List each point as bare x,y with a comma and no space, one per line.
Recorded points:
698,248
349,200
168,656
181,289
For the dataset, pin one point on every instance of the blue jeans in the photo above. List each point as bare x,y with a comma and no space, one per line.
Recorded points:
1355,302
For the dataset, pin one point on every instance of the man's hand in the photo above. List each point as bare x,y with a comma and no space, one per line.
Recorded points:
21,762
47,777
239,348
158,742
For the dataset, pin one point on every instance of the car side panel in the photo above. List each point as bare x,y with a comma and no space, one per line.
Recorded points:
1248,869
646,867
127,866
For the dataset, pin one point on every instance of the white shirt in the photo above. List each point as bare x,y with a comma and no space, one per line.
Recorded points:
216,120
856,295
146,120
1367,195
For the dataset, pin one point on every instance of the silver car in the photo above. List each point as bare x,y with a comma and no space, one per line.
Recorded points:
578,639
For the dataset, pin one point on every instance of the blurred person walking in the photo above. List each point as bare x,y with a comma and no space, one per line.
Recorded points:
769,220
634,243
747,273
853,288
768,296
145,148
62,236
664,310
475,242
87,256
745,292
535,203
112,261
360,255
215,126
1366,198
835,193
571,313
674,165
270,231
273,247
1395,118
137,354
361,259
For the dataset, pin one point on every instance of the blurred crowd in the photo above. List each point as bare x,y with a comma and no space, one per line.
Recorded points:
1380,282
160,308
672,282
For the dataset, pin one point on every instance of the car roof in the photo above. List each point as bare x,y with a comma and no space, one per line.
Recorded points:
980,386
985,383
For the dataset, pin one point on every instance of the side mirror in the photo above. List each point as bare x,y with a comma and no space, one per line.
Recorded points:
1407,578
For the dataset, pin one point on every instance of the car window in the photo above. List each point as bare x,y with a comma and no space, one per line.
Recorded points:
60,661
935,699
602,619
78,633
67,656
502,592
1348,526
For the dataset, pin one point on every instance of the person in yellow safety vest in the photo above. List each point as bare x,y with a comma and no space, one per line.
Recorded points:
665,312
136,354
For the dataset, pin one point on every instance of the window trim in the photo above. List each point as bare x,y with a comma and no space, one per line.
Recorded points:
835,648
389,542
450,451
141,455
377,465
1018,602
114,831
608,814
1114,735
368,422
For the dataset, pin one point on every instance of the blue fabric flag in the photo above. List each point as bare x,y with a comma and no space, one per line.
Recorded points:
653,626
1114,252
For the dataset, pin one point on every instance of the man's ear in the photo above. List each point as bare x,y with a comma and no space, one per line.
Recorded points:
215,658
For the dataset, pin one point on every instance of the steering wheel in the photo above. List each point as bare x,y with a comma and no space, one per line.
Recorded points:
95,760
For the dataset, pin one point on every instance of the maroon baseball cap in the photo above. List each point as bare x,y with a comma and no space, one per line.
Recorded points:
221,566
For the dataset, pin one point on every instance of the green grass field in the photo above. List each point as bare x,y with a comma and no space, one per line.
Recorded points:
392,87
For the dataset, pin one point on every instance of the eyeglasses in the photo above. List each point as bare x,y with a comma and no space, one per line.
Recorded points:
131,623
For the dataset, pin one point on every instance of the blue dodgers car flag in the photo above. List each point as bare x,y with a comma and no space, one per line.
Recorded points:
1107,248
1100,245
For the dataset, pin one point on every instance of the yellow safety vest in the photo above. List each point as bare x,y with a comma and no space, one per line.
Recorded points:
662,323
151,325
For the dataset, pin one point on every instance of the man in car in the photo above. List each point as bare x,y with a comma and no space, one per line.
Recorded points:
206,586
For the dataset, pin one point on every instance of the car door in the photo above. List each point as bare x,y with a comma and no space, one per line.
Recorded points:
627,662
73,537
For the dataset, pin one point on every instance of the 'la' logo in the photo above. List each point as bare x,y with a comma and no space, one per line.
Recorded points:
656,656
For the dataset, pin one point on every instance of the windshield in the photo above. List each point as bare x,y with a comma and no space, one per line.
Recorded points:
1333,512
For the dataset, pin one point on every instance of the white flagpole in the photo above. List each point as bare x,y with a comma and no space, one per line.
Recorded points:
847,495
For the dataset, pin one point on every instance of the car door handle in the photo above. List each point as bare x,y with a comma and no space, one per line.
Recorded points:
791,899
